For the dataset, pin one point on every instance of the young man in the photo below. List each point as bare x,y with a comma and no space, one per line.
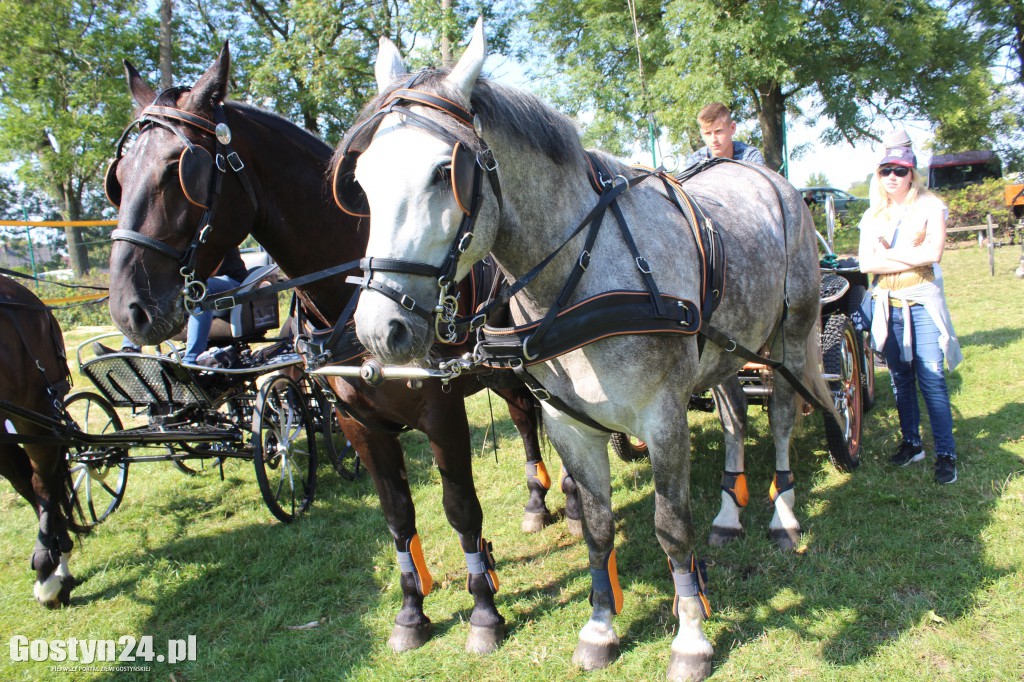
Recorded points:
717,129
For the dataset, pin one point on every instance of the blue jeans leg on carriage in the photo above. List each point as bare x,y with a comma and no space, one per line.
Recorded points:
199,324
923,371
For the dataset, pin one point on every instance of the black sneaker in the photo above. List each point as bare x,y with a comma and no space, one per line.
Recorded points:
907,454
945,469
99,349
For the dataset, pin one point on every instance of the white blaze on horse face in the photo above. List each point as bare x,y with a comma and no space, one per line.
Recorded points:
414,215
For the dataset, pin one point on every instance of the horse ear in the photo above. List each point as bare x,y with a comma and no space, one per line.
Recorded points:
212,86
141,92
389,65
465,73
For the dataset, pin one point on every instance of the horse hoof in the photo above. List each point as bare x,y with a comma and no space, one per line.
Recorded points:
575,527
688,667
785,539
721,536
534,522
484,640
404,638
595,656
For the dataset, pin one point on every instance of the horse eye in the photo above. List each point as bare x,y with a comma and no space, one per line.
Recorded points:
443,175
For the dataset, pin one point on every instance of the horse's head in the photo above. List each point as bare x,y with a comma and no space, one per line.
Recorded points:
417,164
166,185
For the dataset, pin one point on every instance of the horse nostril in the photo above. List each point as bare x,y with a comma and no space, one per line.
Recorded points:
398,335
138,316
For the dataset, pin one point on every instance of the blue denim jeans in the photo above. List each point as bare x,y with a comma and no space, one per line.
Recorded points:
924,371
199,324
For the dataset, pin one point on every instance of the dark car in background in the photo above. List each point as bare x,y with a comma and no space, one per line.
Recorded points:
953,171
815,196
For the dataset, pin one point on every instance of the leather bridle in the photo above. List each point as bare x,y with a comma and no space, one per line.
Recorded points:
224,159
443,314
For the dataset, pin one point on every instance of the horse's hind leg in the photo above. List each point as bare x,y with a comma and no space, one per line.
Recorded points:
54,581
447,427
381,455
732,412
523,410
784,528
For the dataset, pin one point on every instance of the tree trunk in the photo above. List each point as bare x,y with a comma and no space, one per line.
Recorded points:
78,254
446,47
771,109
166,39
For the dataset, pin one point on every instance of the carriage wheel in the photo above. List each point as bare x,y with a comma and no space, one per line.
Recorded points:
628,449
867,377
98,476
841,355
338,450
284,448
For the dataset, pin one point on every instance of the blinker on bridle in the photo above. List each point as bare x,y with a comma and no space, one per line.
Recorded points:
199,183
467,171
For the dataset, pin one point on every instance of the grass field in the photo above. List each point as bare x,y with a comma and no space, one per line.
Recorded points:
896,578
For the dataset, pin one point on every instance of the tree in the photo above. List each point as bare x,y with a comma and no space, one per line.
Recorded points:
818,180
312,60
63,100
854,61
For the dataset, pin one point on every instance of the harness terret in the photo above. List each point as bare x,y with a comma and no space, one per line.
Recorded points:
199,183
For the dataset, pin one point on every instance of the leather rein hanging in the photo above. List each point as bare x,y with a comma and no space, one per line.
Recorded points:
225,158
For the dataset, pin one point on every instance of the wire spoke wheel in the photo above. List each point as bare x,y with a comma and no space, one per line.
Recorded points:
284,448
841,356
98,476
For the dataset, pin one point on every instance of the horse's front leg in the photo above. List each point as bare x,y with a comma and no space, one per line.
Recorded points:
382,456
670,459
523,411
732,412
584,454
784,528
447,427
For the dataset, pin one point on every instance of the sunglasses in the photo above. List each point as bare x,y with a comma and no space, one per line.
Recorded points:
898,171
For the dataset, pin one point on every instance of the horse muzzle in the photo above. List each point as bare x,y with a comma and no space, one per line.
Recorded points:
391,333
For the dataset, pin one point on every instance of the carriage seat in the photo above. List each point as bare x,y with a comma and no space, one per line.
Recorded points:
249,321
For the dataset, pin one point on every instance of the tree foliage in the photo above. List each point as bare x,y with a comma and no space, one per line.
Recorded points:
59,81
855,62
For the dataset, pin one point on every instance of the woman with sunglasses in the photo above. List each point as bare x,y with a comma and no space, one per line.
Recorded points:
901,241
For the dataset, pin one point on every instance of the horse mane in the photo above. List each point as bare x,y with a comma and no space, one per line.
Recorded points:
503,110
275,122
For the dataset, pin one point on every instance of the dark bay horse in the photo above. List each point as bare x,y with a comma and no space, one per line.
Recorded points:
281,197
432,141
35,377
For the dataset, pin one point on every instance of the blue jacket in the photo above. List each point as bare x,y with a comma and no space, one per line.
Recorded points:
741,151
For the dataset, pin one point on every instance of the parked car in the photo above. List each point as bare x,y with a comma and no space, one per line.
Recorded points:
844,200
952,171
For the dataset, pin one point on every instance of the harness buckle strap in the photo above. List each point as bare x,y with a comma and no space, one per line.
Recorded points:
407,302
464,242
204,233
224,303
221,163
643,265
584,260
236,162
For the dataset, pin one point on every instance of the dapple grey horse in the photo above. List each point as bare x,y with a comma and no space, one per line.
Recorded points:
639,384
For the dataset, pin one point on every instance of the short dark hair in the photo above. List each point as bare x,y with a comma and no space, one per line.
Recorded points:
712,112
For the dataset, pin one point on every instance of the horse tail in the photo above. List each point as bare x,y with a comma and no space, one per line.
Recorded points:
813,377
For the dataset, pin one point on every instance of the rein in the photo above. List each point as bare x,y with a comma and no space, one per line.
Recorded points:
225,158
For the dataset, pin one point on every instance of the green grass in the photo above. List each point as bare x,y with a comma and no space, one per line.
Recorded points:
896,578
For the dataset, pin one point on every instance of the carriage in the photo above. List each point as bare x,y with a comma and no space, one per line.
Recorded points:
260,407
